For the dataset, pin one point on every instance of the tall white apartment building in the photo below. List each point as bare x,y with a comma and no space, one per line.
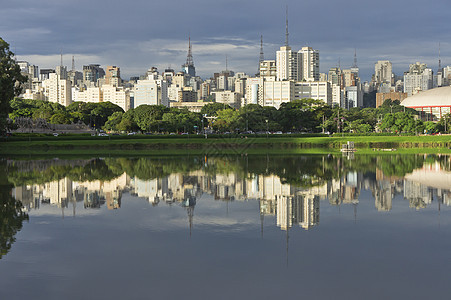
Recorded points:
222,82
447,75
205,90
151,92
277,92
287,64
337,95
382,71
58,88
254,91
318,90
116,95
173,92
418,78
228,97
309,64
91,94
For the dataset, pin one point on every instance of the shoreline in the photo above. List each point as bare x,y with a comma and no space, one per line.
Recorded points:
233,144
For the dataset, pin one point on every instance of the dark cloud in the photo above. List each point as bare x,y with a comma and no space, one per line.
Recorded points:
139,34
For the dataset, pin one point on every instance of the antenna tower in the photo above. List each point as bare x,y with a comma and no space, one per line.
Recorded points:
286,27
189,57
73,63
439,58
262,56
355,58
61,58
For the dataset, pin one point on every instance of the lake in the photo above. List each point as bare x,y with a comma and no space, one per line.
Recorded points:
226,227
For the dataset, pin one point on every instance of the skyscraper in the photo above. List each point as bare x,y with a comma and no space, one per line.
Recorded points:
113,75
287,64
382,71
309,64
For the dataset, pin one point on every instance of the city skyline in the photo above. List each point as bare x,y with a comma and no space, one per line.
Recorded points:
223,29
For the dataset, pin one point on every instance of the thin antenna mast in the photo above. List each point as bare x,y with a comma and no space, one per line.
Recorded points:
439,58
355,58
189,57
73,63
286,27
262,56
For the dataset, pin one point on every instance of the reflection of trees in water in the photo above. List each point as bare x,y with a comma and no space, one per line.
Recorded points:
299,170
11,218
146,168
31,172
399,165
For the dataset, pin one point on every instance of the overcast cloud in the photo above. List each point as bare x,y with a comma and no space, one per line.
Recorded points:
138,34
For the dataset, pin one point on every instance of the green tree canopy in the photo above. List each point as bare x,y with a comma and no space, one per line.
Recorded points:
10,82
212,109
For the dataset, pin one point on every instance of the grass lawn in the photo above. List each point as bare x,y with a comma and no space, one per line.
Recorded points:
179,145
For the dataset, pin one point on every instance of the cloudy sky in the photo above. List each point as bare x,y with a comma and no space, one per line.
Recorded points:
138,34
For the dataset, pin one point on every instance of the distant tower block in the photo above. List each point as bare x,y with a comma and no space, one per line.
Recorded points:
188,67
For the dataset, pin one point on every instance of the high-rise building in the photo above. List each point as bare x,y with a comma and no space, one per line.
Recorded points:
335,76
353,96
309,64
92,73
349,78
277,92
116,95
151,92
58,87
418,78
268,68
287,64
254,91
318,90
113,76
383,71
228,98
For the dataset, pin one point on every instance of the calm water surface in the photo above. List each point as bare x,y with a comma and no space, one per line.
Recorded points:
226,227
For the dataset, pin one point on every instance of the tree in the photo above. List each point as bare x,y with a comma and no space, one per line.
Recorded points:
60,118
10,80
228,120
113,121
148,117
212,109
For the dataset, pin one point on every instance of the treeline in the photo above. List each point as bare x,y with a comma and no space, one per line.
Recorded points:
92,114
306,115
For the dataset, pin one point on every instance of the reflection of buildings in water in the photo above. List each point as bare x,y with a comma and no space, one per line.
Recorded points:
384,189
61,192
291,205
285,212
345,190
173,188
298,210
419,196
423,184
